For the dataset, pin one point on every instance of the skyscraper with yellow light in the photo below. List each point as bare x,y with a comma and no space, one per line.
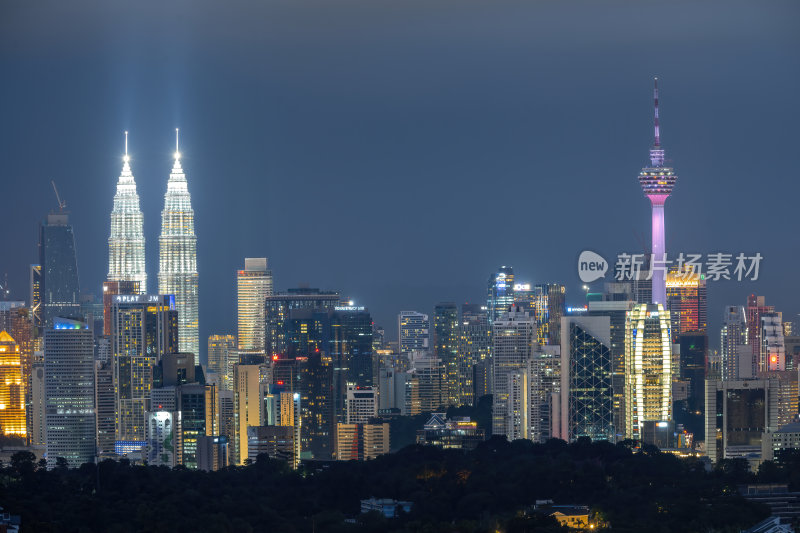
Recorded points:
12,387
648,374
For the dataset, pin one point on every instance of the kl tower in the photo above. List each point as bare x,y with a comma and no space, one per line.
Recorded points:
657,182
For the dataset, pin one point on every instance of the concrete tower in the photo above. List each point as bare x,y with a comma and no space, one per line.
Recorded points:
657,182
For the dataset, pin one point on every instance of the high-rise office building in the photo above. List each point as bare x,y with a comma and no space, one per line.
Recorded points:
16,320
525,297
756,306
221,358
351,352
550,301
693,362
253,285
177,256
12,387
198,408
513,343
616,304
164,446
738,414
773,351
37,312
474,354
445,345
412,330
657,182
648,373
360,442
69,392
686,302
586,400
279,307
544,372
500,293
59,287
362,405
250,384
144,329
126,242
735,351
426,379
111,289
105,398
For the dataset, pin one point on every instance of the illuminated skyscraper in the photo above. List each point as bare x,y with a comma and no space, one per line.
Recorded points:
177,264
648,373
37,315
756,308
253,285
586,406
413,331
143,329
736,352
514,340
111,289
279,308
657,182
221,358
550,302
126,243
500,294
69,393
772,356
12,387
686,302
445,343
474,354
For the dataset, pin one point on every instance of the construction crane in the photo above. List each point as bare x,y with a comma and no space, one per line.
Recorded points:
61,204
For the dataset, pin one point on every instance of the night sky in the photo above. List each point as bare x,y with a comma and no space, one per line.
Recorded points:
401,151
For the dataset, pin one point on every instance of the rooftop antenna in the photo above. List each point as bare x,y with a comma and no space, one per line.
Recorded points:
655,121
126,158
177,151
61,204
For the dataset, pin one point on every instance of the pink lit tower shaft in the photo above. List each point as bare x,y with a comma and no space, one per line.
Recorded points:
657,182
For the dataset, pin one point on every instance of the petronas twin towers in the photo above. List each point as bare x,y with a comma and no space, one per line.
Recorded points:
177,248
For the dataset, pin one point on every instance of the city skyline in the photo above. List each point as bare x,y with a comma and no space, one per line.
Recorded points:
268,157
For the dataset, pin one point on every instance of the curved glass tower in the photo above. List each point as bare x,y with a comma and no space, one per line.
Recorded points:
126,243
177,256
657,182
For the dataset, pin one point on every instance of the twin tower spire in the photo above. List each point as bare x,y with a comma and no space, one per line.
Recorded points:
177,246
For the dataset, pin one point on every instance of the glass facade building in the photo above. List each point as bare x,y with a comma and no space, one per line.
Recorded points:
126,242
253,286
413,331
59,288
586,379
69,393
648,370
177,258
445,345
144,329
500,293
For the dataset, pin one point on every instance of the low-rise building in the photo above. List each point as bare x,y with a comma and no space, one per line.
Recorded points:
386,506
458,433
